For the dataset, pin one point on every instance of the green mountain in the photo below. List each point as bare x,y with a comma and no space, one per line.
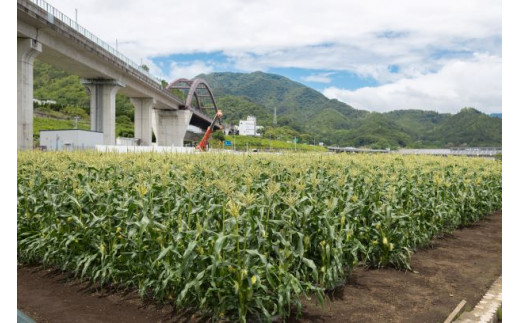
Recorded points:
302,112
469,127
238,108
315,117
270,90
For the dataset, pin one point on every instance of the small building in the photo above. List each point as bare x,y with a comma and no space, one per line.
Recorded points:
70,139
248,127
44,102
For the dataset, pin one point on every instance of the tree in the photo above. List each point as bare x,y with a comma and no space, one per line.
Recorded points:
219,135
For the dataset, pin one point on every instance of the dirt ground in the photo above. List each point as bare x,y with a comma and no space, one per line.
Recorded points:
462,265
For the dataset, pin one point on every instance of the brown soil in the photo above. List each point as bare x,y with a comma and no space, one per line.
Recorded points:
462,265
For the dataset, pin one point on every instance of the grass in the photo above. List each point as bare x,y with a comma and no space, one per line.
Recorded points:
55,124
264,144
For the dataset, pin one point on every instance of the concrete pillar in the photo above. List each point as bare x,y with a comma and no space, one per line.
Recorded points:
28,49
170,126
103,107
143,119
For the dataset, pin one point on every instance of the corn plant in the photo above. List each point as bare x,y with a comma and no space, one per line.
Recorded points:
239,236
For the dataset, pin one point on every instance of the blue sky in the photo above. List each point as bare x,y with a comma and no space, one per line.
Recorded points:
434,55
318,79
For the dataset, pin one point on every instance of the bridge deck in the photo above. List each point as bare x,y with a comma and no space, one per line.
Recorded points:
74,49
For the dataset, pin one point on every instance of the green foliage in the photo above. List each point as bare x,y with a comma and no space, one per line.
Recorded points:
244,143
237,108
123,120
48,112
75,111
470,128
124,107
55,124
51,83
284,133
307,111
270,90
218,135
124,127
240,237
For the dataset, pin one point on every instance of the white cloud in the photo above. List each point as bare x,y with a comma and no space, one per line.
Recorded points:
474,83
319,78
363,37
188,70
162,28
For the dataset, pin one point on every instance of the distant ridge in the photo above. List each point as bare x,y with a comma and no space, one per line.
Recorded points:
313,117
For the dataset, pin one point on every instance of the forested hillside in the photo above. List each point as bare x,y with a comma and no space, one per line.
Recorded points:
316,117
301,112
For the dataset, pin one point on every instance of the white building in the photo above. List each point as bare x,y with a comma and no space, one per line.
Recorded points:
248,127
41,102
72,139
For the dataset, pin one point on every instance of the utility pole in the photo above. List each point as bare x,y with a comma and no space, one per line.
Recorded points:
76,17
76,122
274,118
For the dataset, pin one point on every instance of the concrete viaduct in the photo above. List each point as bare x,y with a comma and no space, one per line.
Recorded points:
46,33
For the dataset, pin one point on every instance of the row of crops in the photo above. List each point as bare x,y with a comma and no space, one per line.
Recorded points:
239,236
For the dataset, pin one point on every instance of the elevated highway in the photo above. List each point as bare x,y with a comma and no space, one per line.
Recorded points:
45,33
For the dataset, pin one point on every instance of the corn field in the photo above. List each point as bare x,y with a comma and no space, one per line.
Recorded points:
241,237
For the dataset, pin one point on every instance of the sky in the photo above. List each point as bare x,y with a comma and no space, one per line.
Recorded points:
438,55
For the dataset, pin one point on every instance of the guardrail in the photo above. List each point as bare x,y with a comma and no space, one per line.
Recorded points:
357,150
473,151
